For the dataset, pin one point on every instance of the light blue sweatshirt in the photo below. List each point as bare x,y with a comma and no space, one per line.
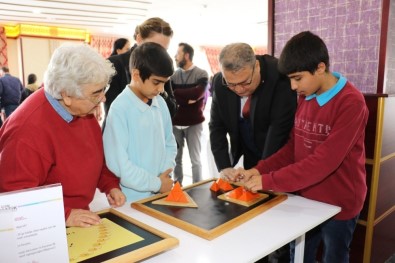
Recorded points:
138,143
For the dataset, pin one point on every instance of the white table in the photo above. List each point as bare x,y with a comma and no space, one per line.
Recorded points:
248,242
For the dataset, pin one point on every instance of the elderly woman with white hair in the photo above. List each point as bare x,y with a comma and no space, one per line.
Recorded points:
54,137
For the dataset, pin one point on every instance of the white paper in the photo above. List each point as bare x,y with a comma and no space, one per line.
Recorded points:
32,226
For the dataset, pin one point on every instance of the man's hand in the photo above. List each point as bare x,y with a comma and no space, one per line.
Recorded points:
245,175
82,218
229,174
116,198
166,181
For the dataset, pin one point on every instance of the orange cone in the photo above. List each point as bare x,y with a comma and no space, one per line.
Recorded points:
177,195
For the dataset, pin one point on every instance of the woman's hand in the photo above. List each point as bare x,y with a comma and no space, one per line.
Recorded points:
82,218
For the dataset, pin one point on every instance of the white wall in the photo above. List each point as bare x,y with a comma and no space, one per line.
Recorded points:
12,55
28,55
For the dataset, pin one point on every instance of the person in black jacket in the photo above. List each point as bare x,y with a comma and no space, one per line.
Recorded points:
254,105
151,30
249,79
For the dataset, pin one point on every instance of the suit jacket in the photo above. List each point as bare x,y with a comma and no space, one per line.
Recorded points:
122,78
273,106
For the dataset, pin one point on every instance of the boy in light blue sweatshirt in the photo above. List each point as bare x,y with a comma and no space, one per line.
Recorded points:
139,145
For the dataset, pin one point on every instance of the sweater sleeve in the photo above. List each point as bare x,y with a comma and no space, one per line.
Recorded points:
107,180
327,157
184,95
22,174
170,141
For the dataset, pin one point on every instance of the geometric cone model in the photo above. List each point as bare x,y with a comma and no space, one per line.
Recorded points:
214,187
247,196
177,195
235,194
242,194
224,185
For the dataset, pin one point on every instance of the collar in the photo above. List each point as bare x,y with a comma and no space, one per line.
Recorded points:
66,116
323,98
141,105
188,69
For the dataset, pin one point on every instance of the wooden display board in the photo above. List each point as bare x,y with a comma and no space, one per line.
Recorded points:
213,216
149,241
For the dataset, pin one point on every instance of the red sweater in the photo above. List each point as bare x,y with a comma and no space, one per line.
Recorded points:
38,147
324,159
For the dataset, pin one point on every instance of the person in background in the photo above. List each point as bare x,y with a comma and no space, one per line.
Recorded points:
252,105
53,136
30,87
11,90
138,140
120,46
324,159
155,30
31,82
189,84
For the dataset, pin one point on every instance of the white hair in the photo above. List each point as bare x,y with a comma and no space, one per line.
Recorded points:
74,65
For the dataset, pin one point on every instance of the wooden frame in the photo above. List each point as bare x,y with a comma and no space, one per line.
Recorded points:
158,243
220,216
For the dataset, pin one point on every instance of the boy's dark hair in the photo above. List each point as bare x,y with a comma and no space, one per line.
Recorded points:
32,78
151,59
186,48
303,52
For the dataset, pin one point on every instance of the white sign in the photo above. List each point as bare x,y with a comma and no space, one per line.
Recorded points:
32,226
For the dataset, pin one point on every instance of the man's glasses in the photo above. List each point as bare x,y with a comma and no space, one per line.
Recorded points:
96,99
243,84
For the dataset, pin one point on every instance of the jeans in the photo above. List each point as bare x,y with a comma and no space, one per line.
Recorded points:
336,236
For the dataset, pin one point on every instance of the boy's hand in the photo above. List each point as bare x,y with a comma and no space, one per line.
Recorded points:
166,181
116,198
245,175
254,183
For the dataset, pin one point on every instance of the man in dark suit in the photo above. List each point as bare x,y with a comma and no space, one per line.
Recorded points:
254,106
249,81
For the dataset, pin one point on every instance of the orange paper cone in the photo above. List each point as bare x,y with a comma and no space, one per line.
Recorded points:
214,187
235,194
247,196
224,185
177,195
